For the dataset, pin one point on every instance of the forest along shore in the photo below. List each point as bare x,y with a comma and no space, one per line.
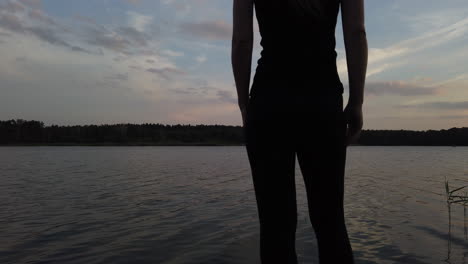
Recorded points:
20,132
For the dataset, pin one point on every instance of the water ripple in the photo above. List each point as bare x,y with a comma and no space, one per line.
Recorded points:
197,205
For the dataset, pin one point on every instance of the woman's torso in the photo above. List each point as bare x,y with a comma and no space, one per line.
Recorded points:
298,56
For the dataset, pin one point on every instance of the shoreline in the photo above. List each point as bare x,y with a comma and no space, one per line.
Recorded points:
181,145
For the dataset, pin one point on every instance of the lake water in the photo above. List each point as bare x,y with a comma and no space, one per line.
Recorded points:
197,205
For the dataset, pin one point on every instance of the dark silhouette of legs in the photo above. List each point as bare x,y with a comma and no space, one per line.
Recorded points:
316,132
322,160
272,160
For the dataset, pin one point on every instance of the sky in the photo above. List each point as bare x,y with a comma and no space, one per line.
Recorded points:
70,62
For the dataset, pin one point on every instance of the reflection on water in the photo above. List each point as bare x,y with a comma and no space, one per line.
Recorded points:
197,205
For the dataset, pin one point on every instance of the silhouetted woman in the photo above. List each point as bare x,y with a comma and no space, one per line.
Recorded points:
295,107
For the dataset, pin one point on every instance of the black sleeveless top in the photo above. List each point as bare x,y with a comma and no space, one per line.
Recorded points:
298,55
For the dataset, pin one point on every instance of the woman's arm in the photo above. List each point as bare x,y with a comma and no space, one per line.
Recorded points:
242,46
355,40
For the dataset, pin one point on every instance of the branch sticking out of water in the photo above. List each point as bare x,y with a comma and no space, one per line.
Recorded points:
453,196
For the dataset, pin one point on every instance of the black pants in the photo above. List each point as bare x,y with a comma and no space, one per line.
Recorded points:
278,129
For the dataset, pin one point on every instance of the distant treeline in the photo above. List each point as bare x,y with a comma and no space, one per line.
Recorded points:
21,132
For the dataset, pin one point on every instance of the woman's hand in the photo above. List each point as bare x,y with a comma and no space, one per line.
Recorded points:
242,47
355,40
354,121
243,109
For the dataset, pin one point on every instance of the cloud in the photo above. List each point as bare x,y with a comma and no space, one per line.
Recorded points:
453,79
227,96
135,67
108,40
11,23
171,53
380,58
453,117
12,7
213,30
134,35
47,35
190,91
138,21
201,89
40,16
14,24
31,20
183,8
165,72
435,18
443,105
201,58
119,77
398,88
124,39
32,3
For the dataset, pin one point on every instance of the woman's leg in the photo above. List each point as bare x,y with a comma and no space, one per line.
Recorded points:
272,161
321,154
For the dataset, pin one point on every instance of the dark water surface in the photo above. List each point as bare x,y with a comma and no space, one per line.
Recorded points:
197,205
